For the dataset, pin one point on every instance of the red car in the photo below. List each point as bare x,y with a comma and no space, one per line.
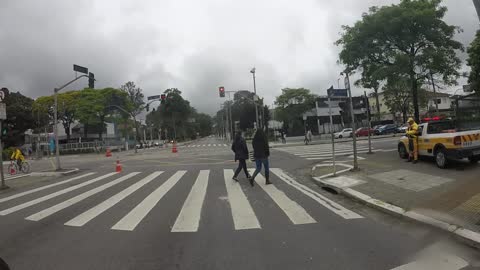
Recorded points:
363,131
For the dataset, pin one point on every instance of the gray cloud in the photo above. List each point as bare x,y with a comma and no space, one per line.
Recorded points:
195,46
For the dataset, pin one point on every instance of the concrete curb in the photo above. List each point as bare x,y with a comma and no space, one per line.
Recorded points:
469,237
55,174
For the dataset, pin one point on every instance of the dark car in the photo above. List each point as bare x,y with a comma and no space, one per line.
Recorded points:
386,129
364,131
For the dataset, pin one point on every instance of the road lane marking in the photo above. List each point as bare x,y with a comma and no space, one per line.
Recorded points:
53,195
327,203
242,213
438,262
225,145
58,207
189,218
203,145
44,187
93,212
137,214
293,210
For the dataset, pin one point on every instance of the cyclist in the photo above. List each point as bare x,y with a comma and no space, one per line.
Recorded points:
18,156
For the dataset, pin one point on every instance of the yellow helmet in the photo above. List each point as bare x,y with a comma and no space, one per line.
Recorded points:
410,120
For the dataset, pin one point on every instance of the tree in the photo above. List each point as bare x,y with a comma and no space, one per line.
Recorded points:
398,97
67,107
292,104
474,62
409,39
135,103
19,118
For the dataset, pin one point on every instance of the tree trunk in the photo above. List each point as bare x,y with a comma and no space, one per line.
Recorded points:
414,85
378,102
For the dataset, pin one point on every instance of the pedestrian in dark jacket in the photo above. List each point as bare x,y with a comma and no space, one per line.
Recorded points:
239,147
261,152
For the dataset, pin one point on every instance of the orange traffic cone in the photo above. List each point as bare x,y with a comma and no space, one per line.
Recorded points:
108,153
174,148
118,168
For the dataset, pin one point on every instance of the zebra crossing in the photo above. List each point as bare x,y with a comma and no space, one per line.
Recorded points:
206,145
323,151
239,199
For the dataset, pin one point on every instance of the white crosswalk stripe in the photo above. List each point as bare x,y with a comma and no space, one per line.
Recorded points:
44,187
53,195
52,210
134,217
322,151
243,215
90,214
241,206
333,206
189,217
293,210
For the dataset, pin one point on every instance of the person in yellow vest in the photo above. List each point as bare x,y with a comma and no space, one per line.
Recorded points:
412,140
18,156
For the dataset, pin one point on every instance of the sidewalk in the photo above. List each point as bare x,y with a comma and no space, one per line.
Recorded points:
448,199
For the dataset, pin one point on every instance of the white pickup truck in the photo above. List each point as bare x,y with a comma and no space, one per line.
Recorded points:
444,141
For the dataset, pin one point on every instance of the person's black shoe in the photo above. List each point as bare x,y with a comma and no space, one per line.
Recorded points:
267,182
235,179
252,181
415,162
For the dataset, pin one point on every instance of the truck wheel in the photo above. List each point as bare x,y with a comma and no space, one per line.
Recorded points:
402,151
474,159
441,158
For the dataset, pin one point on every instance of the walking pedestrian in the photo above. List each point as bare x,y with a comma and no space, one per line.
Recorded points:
239,147
261,152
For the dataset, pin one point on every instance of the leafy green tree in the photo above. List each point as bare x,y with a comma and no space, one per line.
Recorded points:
474,62
67,107
135,104
19,118
398,97
409,39
292,104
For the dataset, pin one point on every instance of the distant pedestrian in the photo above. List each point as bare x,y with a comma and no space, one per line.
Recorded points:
239,147
309,135
261,152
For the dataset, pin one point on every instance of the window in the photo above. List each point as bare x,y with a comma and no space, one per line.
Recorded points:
439,100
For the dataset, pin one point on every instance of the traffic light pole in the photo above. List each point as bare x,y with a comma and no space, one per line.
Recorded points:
352,113
3,185
255,92
55,118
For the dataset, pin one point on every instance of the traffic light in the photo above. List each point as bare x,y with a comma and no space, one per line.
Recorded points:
162,98
221,91
91,80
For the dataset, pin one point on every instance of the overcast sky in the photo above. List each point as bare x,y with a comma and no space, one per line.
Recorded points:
194,46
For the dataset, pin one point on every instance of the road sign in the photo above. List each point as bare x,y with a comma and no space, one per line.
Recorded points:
3,111
80,69
337,92
153,97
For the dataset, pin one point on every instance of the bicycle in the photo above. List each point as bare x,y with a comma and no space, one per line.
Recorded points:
13,167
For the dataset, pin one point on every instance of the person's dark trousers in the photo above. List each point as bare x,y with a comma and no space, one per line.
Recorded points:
258,163
242,164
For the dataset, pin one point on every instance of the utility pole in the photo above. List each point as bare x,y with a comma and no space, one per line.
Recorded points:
332,135
434,93
367,105
253,70
354,136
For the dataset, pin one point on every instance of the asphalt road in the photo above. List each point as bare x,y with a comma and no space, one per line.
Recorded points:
183,211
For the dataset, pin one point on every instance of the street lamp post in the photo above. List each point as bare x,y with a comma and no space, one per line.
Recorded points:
55,114
255,92
354,137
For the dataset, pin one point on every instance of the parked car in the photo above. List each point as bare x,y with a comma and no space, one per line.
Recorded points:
364,131
345,133
402,128
386,129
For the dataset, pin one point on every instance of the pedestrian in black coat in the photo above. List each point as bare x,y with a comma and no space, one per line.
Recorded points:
239,147
261,152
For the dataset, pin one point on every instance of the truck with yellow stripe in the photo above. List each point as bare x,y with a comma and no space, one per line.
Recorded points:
444,141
